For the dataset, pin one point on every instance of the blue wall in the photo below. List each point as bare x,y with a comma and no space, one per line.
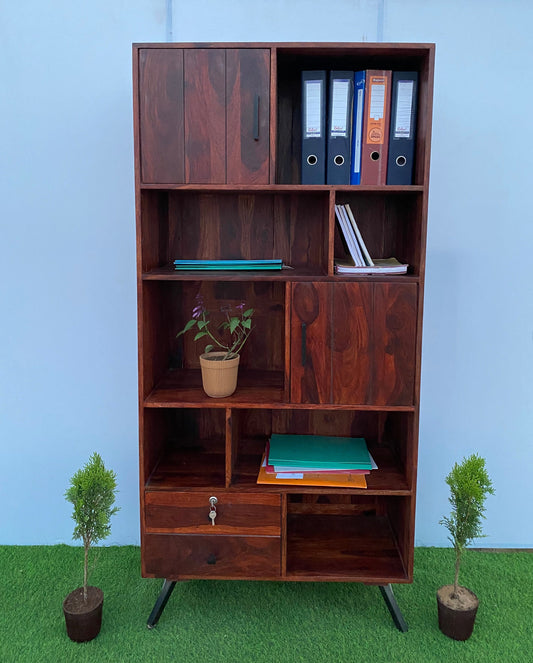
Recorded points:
68,327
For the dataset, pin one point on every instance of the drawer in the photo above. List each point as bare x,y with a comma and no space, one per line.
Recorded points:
174,556
237,513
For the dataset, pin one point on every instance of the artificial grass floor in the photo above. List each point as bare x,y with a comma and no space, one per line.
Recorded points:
256,622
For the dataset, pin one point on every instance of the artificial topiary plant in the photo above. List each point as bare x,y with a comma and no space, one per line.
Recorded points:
92,492
469,486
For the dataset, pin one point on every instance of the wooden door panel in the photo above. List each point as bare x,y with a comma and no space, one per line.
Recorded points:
310,343
394,345
248,113
161,116
205,116
351,364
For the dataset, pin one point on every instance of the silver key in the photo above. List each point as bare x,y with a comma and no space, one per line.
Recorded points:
213,515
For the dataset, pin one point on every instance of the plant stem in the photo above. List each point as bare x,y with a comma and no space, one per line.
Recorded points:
456,579
86,544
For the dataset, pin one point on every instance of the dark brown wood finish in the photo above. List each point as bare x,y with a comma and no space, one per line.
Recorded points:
161,126
205,115
329,356
248,115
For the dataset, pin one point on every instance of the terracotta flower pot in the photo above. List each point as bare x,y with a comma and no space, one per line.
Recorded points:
219,377
83,618
457,615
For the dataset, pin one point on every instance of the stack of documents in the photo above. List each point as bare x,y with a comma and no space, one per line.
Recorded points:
210,265
361,262
316,460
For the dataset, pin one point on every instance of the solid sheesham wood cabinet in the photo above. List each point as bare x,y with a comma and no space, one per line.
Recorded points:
217,175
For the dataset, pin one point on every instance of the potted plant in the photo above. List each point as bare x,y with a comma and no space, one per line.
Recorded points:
92,492
469,486
219,362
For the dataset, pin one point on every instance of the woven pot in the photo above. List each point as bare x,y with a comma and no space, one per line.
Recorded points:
219,378
83,618
456,622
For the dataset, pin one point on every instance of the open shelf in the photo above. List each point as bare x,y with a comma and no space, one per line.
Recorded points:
344,547
184,388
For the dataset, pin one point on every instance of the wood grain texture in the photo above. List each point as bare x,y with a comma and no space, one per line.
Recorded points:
394,344
161,115
351,361
188,513
175,556
311,343
248,111
205,115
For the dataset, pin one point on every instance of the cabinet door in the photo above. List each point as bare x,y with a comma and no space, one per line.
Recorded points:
353,343
161,116
394,343
248,115
204,115
311,343
351,332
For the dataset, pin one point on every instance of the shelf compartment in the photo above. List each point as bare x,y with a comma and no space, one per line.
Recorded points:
345,538
292,61
391,226
227,224
388,436
184,448
171,366
184,387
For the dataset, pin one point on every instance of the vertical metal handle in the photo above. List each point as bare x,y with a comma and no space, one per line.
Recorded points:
256,117
304,343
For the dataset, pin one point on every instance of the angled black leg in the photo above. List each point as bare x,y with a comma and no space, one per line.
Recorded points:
392,605
161,602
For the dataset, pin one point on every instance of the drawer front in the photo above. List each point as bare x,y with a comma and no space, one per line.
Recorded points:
173,556
258,514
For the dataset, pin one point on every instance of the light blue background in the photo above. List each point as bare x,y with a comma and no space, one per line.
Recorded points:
68,381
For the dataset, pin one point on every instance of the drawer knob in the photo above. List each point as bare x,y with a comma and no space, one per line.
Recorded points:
211,559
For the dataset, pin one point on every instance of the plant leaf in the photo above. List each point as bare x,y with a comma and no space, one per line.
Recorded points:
247,323
200,334
188,326
248,313
202,324
209,347
233,324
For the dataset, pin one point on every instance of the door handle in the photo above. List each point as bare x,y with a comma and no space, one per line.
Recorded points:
304,344
256,117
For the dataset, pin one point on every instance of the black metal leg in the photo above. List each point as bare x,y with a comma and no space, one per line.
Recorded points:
161,602
394,609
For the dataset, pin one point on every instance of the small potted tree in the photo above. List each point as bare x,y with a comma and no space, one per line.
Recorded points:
469,486
92,492
219,362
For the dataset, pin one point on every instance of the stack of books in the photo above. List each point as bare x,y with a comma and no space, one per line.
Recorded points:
361,262
316,460
227,265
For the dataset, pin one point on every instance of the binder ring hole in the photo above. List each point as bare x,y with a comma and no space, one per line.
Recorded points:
312,159
338,160
401,161
374,156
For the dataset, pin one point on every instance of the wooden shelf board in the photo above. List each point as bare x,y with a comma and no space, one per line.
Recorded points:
168,273
183,388
355,547
287,188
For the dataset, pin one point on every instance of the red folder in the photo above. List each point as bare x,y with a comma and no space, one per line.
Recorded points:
376,122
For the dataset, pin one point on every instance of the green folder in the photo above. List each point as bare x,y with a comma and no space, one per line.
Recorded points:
319,451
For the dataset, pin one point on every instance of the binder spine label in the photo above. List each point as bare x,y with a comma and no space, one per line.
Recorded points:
376,126
404,110
313,105
339,116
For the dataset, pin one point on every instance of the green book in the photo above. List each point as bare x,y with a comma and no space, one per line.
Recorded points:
319,451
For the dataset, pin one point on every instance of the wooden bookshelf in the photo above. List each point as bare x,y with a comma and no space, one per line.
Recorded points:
217,175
